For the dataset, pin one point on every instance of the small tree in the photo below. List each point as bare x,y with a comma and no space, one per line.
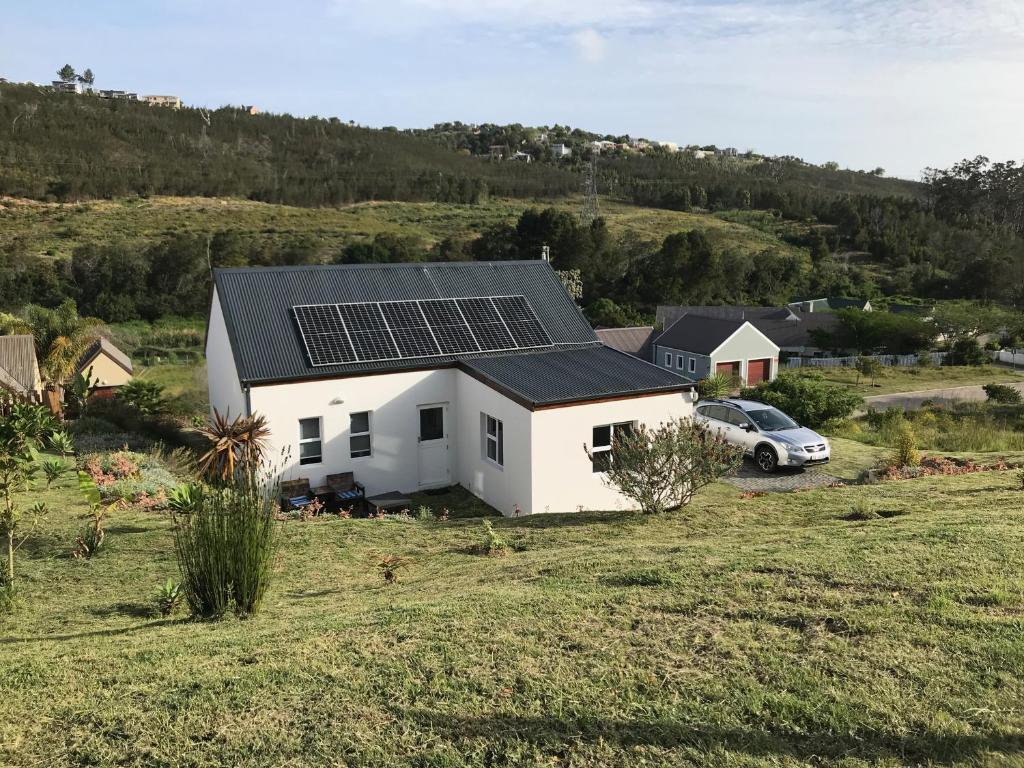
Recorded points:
869,367
662,469
905,453
233,444
21,433
67,74
87,77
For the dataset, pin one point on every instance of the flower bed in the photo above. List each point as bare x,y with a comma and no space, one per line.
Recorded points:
941,465
137,478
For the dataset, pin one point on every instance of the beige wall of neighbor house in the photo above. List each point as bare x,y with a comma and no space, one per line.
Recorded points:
105,371
563,476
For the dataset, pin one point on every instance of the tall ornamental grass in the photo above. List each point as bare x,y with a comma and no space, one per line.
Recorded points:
225,540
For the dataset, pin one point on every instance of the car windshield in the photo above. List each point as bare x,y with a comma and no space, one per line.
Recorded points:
772,420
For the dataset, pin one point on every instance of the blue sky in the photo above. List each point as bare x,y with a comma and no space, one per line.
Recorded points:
901,84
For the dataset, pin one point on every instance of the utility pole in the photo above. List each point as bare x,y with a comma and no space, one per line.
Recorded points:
590,211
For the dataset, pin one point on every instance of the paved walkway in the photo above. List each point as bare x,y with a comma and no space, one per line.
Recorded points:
748,477
911,401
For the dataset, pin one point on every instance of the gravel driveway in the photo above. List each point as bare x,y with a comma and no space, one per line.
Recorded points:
748,477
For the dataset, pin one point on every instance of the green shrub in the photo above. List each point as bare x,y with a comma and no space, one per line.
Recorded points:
169,597
860,509
145,397
806,398
494,543
92,425
424,512
716,385
965,351
226,544
1002,393
905,453
53,469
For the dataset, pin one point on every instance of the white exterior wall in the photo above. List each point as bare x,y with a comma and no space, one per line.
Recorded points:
221,375
501,487
393,401
563,477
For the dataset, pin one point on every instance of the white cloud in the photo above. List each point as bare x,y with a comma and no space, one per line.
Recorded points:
590,46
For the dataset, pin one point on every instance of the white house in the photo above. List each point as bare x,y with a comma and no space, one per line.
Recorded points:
415,376
558,151
697,346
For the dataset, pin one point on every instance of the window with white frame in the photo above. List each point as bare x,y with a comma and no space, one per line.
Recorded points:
493,439
310,441
604,438
693,364
679,362
359,443
668,359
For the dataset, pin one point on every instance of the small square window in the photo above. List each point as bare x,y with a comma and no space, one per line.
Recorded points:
359,444
603,437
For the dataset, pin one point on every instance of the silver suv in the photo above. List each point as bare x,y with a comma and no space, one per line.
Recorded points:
766,433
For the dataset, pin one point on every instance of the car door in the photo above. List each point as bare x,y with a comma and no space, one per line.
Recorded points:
737,421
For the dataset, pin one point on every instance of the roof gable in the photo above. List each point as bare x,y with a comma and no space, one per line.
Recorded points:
637,342
699,334
257,305
103,345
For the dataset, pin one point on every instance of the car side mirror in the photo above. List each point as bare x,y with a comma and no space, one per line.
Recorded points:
747,427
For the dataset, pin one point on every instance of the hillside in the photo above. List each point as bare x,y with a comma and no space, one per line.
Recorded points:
55,230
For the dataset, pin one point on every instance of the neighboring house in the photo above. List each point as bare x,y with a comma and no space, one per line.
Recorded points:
110,367
698,346
174,102
62,86
250,109
522,157
124,95
19,369
559,151
829,305
791,331
415,376
638,341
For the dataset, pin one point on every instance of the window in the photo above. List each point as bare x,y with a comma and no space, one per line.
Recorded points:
718,412
359,434
603,438
693,364
679,362
494,439
735,417
668,359
310,444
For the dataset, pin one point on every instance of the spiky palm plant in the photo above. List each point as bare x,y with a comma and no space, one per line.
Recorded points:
235,444
61,337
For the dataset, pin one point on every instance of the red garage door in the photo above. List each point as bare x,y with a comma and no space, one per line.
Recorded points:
729,370
757,371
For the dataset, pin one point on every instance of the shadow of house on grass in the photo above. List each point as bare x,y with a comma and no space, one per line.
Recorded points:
868,744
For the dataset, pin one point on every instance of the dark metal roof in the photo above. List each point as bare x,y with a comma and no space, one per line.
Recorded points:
637,342
667,314
787,333
556,377
698,334
257,305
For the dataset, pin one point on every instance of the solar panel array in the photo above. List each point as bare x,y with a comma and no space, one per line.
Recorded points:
395,330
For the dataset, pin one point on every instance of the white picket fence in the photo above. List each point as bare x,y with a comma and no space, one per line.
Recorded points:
851,361
1014,357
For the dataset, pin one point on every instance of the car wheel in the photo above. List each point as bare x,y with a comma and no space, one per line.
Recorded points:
767,460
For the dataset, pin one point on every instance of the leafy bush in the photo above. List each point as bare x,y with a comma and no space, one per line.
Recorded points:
1002,393
226,544
145,397
494,543
424,512
53,469
61,442
716,385
905,453
965,351
169,597
806,398
92,425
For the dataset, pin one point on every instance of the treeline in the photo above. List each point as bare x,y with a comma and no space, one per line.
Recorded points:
67,147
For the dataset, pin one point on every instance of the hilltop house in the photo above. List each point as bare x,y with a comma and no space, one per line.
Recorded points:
19,369
698,346
416,376
107,366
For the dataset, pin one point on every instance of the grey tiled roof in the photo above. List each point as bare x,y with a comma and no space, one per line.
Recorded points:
637,342
572,375
257,305
103,344
668,314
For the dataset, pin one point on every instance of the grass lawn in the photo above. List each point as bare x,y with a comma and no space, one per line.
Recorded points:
911,379
184,385
760,632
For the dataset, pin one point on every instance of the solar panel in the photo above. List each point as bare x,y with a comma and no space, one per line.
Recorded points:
521,322
450,329
394,330
370,335
409,329
324,335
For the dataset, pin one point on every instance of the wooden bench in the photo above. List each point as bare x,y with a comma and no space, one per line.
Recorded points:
295,494
346,489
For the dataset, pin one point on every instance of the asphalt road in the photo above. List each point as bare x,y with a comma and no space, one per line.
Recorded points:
911,401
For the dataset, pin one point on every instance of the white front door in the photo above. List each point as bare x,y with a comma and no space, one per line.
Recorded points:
433,451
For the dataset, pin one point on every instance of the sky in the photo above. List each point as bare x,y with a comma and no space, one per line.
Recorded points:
897,84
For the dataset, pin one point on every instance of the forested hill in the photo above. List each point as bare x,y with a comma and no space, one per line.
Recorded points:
63,147
70,147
